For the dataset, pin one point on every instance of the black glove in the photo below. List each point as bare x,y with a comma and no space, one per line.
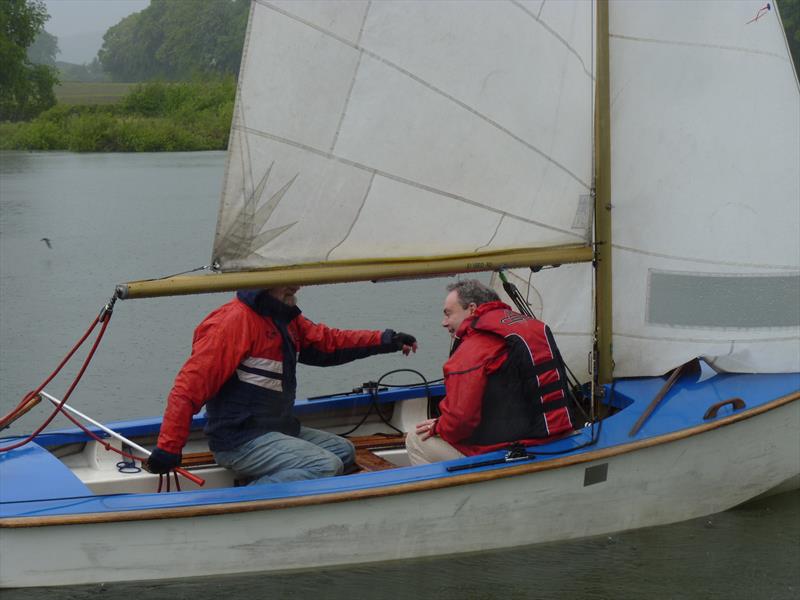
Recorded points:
161,461
401,339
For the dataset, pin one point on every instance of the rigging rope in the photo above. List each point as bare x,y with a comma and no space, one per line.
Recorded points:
104,317
374,387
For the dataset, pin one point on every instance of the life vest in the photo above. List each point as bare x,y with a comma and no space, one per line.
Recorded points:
528,397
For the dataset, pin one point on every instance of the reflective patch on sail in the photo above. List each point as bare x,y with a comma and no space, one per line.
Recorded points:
723,301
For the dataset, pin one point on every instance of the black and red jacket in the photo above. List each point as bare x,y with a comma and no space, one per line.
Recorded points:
243,369
505,382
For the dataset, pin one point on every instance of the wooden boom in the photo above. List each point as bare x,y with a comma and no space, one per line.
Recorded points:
344,271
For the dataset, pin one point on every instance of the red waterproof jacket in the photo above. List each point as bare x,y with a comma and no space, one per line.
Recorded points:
504,383
243,369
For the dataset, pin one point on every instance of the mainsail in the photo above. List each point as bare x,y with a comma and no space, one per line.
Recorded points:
705,179
368,130
706,188
417,131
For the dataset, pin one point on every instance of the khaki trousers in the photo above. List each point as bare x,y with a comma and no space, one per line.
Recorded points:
434,449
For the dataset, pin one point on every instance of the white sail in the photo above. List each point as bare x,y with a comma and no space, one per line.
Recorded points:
705,162
561,297
408,129
705,192
370,130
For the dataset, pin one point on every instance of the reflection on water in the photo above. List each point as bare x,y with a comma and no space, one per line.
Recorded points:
113,218
747,553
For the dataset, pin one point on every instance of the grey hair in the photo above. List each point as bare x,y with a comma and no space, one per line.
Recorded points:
472,291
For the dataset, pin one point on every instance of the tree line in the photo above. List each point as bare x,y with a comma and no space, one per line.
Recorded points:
169,41
174,41
26,88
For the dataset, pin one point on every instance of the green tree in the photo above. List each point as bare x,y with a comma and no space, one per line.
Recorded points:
790,15
176,41
25,89
44,49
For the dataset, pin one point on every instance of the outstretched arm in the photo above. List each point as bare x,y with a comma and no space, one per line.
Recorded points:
324,346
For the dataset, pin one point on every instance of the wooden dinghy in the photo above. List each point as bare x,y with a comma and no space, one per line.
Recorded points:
382,140
708,446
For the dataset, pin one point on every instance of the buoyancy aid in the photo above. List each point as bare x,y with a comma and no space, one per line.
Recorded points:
528,396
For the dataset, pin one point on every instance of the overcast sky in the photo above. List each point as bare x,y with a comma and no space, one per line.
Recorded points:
79,25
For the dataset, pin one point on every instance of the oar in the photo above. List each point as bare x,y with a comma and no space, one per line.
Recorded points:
660,396
10,418
117,436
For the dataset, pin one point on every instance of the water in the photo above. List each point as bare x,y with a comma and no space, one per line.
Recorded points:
114,218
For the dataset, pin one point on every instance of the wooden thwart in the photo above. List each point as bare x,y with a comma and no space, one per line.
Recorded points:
366,459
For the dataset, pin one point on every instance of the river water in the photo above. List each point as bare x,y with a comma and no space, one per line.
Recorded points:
121,217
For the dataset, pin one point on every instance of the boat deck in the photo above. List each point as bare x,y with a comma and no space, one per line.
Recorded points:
88,478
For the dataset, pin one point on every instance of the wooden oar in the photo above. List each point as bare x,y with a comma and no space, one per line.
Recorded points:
8,420
117,436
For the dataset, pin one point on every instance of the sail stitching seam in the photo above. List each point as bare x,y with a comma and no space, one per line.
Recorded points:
697,45
355,219
481,116
346,102
491,239
555,34
409,182
704,260
430,87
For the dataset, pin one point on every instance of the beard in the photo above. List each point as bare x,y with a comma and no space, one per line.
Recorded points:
289,299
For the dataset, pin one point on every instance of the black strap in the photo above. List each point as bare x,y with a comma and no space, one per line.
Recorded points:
548,365
553,386
555,404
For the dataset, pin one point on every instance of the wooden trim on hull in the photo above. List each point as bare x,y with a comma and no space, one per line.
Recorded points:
390,490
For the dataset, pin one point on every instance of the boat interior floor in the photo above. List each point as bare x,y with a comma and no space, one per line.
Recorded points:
372,454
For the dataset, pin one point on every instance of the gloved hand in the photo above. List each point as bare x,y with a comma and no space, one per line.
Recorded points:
161,461
405,342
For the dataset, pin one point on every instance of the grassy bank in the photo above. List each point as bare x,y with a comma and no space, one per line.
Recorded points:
152,117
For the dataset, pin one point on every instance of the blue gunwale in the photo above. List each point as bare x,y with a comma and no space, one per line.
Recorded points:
681,410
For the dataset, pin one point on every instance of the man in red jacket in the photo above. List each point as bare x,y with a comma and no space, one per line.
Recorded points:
243,370
505,381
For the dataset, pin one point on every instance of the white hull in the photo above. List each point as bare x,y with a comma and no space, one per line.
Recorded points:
655,485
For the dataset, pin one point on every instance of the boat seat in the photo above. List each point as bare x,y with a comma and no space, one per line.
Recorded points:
366,459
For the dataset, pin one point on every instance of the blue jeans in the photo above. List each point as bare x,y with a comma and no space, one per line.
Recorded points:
275,457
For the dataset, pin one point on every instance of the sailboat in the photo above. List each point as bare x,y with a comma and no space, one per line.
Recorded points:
632,167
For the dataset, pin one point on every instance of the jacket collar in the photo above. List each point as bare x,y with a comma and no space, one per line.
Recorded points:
268,306
466,326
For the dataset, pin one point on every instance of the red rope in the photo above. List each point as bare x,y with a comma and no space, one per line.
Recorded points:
105,318
11,415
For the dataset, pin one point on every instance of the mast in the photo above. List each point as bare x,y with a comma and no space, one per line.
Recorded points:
602,207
